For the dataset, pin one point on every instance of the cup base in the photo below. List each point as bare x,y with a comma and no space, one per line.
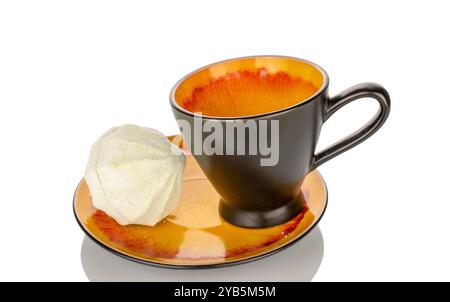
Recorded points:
262,219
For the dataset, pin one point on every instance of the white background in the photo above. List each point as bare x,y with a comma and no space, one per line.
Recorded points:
70,70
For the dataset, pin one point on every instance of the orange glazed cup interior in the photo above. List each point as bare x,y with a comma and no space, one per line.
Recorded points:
248,86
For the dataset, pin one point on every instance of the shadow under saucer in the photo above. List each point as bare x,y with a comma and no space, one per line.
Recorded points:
300,262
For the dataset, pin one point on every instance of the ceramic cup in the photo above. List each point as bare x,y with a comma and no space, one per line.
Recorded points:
253,123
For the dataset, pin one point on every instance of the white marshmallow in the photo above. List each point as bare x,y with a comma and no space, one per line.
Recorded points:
135,175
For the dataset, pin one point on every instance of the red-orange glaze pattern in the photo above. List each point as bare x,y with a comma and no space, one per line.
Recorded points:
248,92
194,234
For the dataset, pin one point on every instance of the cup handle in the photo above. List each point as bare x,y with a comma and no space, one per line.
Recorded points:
363,90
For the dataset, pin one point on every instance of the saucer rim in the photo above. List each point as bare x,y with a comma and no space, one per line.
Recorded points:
202,266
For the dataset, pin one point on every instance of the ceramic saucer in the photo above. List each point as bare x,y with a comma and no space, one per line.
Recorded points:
194,235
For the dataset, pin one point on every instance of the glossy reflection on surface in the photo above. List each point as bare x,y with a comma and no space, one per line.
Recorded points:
297,263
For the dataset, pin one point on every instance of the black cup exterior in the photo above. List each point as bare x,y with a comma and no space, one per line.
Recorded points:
260,196
255,196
